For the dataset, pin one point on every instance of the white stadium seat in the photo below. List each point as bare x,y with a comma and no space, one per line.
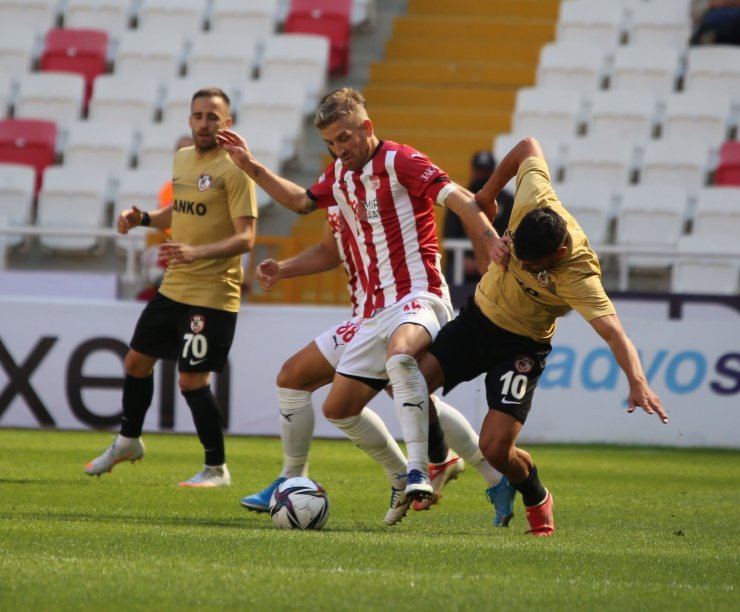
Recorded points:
660,22
101,146
219,59
674,162
303,58
592,205
186,17
609,161
714,68
17,189
124,98
694,273
72,198
622,114
586,21
145,55
574,66
648,68
697,118
547,110
56,96
111,16
251,19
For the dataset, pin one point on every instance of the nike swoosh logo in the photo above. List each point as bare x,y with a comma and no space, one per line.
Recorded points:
505,401
192,362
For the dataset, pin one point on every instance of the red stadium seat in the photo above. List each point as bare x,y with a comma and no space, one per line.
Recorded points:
30,142
330,18
728,169
80,51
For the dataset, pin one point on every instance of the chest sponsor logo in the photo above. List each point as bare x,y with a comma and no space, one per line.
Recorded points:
190,208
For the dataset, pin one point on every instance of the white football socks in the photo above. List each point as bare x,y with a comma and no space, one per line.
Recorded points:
296,430
411,399
369,433
463,440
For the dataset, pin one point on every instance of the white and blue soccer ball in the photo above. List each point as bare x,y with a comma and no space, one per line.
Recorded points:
299,503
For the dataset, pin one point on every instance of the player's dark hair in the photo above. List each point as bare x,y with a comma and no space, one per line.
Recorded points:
540,233
210,92
337,104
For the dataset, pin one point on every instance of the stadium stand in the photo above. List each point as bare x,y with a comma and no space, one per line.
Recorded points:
570,72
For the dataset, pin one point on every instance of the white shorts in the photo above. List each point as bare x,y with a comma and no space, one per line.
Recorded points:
365,356
332,342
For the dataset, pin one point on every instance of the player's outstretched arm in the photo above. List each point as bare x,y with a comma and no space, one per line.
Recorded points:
318,258
610,329
281,190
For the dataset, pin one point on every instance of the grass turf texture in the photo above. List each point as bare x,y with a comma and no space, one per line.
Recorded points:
638,529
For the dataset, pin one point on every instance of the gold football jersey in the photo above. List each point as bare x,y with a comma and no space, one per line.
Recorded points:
208,192
528,303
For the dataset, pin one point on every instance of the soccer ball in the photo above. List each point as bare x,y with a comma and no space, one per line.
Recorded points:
299,503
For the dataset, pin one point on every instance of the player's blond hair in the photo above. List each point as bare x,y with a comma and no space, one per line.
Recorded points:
344,102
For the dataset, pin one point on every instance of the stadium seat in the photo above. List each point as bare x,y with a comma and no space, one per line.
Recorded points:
80,51
696,117
111,16
622,114
663,22
717,213
694,272
714,68
647,68
28,141
608,161
651,216
547,110
716,226
102,147
275,102
124,98
728,167
675,162
580,67
157,147
55,96
592,205
71,197
303,58
145,55
186,17
17,191
255,19
216,59
593,23
29,15
17,46
330,18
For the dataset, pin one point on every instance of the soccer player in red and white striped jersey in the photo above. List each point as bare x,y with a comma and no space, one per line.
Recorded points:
386,192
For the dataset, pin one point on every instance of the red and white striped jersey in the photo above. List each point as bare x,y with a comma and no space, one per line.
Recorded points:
356,276
389,209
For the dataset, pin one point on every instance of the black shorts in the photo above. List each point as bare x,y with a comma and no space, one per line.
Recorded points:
198,338
471,344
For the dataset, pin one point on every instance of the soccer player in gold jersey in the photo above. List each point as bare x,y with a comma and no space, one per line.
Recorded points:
192,318
542,268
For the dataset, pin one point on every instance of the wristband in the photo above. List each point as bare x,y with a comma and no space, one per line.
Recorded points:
146,220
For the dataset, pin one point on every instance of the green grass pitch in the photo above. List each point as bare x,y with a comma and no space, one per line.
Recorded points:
638,529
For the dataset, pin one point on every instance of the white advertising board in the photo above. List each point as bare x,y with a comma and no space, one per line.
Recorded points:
61,367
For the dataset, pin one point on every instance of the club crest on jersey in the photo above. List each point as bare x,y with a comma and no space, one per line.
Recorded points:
204,182
523,364
375,181
197,323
